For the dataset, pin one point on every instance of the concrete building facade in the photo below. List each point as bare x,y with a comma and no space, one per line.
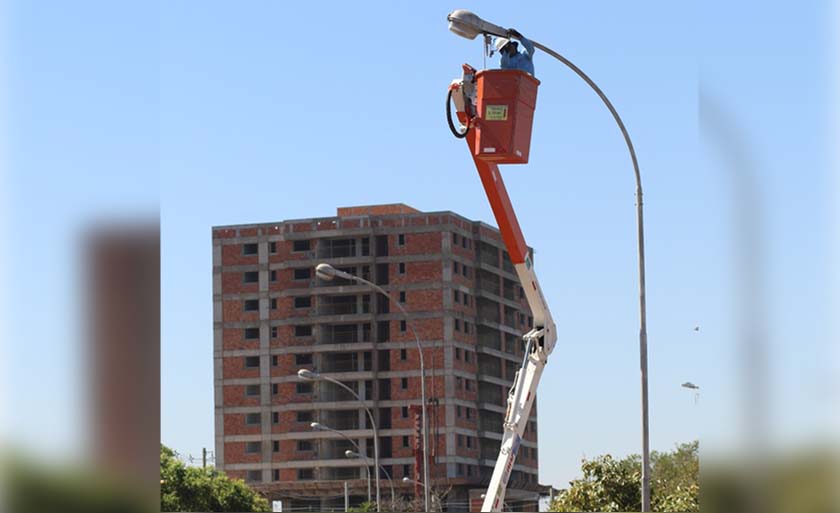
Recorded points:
273,316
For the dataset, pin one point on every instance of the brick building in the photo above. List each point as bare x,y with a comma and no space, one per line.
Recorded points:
272,316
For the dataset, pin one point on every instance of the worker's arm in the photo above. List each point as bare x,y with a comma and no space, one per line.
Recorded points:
529,46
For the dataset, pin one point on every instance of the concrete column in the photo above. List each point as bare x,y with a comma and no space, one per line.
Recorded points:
217,356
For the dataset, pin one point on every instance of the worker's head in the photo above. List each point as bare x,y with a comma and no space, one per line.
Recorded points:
506,46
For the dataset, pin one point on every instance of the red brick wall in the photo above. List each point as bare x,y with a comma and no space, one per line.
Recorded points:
234,338
232,255
287,393
232,283
235,394
432,358
416,272
420,243
422,300
376,210
235,425
286,337
234,367
285,251
235,451
427,329
232,312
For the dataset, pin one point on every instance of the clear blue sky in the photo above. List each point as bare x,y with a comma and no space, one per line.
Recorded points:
238,112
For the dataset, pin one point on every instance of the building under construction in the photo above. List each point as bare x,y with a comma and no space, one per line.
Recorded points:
273,316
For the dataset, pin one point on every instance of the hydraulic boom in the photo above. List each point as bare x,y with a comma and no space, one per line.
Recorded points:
495,108
539,342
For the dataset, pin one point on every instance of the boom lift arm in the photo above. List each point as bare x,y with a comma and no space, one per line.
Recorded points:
540,340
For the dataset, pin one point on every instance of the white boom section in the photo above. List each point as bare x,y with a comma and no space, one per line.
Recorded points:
539,342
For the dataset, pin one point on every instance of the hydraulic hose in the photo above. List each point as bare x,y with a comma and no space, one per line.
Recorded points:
455,132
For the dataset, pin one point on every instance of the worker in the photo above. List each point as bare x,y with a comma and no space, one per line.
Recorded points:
512,58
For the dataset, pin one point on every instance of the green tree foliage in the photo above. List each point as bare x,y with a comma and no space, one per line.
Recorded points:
675,479
614,485
29,486
364,507
185,488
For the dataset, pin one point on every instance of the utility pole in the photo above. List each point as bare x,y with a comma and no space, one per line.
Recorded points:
203,457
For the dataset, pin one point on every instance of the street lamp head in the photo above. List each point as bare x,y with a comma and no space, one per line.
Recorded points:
325,271
690,385
468,25
316,426
351,454
308,375
406,479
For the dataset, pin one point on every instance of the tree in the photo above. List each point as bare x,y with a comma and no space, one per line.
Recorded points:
607,485
185,488
32,486
675,479
614,485
364,507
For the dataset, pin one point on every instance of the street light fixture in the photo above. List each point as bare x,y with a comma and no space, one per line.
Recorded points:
309,375
317,426
468,25
327,272
353,454
691,386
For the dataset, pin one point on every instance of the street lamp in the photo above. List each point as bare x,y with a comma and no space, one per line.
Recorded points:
468,25
435,499
691,386
354,454
327,272
317,426
309,375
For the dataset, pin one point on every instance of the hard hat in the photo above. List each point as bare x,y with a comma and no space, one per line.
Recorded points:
501,42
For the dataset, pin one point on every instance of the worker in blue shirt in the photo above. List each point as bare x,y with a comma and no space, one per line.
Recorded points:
512,58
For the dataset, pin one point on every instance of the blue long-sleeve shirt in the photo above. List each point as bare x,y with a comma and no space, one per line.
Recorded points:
520,60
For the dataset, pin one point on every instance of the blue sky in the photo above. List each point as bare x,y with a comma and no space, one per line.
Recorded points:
225,113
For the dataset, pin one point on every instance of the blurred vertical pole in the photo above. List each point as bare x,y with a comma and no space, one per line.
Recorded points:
122,271
204,457
726,134
346,497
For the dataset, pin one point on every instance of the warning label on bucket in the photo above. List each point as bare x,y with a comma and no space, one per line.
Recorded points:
496,112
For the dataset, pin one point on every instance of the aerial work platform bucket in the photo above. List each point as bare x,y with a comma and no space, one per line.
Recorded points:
505,103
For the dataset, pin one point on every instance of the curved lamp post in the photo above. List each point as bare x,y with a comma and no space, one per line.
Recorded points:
354,454
435,499
309,375
468,25
317,426
328,272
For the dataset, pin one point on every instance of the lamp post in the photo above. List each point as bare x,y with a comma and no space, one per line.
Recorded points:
309,375
354,454
328,272
468,25
317,426
408,480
